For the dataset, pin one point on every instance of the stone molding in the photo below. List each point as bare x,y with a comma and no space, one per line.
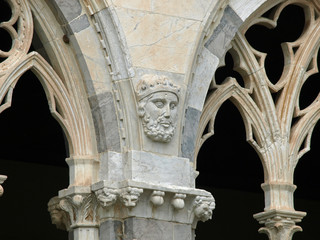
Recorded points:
82,207
142,200
279,224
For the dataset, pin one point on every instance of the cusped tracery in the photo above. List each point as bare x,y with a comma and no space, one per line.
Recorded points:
16,30
272,60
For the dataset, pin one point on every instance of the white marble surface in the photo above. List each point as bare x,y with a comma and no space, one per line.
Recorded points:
245,8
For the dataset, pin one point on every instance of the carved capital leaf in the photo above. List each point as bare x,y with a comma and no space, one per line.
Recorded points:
81,209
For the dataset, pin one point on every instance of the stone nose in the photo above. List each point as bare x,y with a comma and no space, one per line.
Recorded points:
167,111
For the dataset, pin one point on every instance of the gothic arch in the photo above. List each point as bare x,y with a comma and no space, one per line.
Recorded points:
65,101
268,120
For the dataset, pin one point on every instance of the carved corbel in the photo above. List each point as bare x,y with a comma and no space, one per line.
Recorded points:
203,207
130,196
81,209
178,201
2,179
106,197
157,198
58,216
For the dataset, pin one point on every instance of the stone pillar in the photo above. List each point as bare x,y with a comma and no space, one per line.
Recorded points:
278,195
279,224
83,170
2,179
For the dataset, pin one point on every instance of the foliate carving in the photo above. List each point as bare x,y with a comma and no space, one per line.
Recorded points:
157,198
178,201
203,207
130,196
279,228
58,216
158,99
279,225
81,209
107,196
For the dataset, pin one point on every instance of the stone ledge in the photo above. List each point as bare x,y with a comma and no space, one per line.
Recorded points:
137,199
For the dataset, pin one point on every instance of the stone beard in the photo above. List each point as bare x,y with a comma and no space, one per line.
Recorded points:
158,99
158,112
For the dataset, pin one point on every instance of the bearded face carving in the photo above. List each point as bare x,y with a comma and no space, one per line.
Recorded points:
158,99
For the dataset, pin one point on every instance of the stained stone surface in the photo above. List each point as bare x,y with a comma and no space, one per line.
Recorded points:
146,229
224,33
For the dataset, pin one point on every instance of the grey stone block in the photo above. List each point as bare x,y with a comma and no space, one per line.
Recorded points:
84,70
67,10
147,229
110,229
105,122
182,232
224,33
206,67
78,24
192,118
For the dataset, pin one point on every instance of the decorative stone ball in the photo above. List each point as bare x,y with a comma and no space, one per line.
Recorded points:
178,203
157,200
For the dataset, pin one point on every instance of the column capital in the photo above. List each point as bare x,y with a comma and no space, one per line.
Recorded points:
80,204
279,224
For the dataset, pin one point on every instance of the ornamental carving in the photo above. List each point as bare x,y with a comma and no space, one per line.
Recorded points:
130,196
81,209
2,179
178,201
18,27
106,196
157,198
158,99
203,208
58,216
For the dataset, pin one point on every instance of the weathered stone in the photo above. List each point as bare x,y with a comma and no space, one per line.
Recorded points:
190,133
111,229
78,24
68,10
220,40
105,121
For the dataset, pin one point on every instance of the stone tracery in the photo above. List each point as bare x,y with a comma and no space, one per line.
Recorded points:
268,124
267,120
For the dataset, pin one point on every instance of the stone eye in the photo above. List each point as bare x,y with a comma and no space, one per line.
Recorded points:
172,106
159,104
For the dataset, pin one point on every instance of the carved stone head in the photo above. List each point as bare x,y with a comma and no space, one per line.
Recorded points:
158,99
58,216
